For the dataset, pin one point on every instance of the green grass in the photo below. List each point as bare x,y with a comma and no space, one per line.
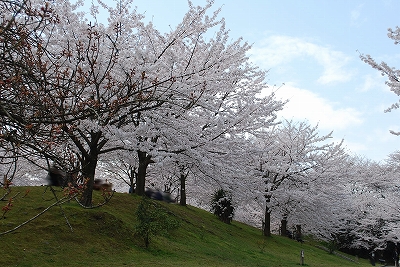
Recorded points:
105,237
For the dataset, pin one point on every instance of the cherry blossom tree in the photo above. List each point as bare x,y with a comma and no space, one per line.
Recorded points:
325,207
376,191
392,74
63,85
384,189
292,155
75,91
222,88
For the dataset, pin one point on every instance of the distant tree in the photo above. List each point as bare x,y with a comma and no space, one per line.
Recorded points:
320,202
288,157
222,206
122,167
374,203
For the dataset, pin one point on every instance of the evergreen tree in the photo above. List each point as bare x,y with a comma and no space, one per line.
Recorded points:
221,205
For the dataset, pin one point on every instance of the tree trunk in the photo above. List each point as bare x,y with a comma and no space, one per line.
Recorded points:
132,179
267,217
182,200
88,173
298,232
267,223
284,227
144,161
89,163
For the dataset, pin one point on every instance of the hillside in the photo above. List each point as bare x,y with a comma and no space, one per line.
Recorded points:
105,237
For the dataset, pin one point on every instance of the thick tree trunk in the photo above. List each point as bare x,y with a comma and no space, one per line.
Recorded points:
89,163
144,161
267,223
284,227
267,218
182,200
88,172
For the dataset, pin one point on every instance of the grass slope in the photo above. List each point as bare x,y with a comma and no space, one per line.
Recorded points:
105,237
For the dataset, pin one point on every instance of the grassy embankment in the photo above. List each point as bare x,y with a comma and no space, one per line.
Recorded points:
105,237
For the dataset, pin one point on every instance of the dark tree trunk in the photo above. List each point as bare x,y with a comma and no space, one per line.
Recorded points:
298,232
267,223
88,172
89,163
284,227
144,161
267,217
132,179
182,200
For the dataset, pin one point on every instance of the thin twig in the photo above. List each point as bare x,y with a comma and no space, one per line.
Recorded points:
5,194
63,200
106,200
62,210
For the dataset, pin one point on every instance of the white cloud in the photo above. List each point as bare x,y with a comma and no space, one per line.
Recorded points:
375,143
380,142
280,50
368,84
355,15
306,105
356,147
374,81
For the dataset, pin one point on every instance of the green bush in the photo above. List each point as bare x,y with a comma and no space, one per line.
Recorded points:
221,205
153,220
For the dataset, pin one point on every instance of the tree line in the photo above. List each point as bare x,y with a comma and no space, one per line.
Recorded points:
182,110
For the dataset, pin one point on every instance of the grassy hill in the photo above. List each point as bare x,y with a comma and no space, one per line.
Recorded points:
106,237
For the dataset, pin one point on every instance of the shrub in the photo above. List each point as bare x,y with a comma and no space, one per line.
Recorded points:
221,206
153,220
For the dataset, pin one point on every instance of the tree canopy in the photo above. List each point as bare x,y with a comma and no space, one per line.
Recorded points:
185,111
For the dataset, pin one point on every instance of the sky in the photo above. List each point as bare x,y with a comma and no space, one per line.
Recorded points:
311,49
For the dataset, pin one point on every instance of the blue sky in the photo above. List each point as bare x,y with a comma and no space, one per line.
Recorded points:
311,49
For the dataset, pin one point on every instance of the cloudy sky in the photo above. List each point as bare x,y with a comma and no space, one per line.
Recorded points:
311,49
